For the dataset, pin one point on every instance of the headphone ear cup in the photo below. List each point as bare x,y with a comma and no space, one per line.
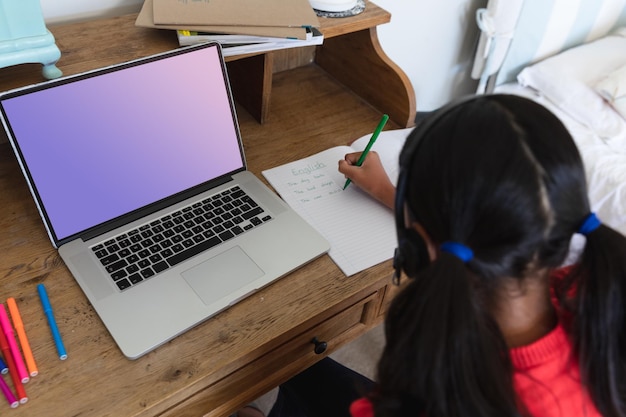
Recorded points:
411,255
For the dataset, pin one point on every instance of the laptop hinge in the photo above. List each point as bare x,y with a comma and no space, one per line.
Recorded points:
148,210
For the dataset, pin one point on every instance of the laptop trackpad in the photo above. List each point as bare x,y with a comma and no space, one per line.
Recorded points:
222,275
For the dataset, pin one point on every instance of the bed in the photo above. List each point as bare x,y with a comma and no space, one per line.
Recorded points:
570,56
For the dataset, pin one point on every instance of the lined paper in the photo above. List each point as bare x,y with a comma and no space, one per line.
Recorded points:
360,230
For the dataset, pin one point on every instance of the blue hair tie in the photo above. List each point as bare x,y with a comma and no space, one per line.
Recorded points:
459,250
590,224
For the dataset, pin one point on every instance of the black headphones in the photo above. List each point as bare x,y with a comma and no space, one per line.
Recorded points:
411,255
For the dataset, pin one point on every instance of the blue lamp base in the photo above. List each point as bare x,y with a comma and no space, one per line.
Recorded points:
24,38
32,49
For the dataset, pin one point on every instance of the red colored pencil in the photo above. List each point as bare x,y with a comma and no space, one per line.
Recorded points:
17,382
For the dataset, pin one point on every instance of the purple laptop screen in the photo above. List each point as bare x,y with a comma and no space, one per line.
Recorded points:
104,146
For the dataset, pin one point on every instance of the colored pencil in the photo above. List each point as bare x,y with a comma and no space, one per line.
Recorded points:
17,382
7,329
369,145
47,308
21,334
8,394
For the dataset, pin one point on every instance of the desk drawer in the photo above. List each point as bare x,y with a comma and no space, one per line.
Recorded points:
280,363
335,331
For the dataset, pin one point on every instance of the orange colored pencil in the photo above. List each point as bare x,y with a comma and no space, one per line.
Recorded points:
21,334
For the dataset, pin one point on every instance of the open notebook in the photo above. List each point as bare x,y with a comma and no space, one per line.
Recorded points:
361,231
139,174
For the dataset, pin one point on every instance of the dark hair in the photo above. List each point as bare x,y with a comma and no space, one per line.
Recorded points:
501,175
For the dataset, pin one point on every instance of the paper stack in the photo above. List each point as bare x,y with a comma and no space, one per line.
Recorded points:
240,26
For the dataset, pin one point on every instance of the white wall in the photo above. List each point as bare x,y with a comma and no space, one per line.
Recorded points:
431,41
56,11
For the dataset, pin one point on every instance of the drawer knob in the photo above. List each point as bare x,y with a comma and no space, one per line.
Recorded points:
320,347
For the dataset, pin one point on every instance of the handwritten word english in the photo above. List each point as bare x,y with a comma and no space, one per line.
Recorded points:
307,170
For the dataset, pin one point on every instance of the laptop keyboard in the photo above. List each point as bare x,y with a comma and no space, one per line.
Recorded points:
141,253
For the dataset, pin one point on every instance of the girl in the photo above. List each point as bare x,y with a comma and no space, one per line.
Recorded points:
490,194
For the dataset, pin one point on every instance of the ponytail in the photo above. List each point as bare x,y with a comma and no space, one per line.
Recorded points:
598,328
444,355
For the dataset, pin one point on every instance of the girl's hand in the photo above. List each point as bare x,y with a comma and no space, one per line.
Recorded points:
370,176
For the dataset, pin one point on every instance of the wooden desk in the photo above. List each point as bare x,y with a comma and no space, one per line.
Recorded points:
235,356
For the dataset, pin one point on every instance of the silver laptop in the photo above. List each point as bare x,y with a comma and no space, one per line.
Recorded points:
139,174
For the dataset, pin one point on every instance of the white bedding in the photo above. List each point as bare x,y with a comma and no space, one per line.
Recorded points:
605,161
571,58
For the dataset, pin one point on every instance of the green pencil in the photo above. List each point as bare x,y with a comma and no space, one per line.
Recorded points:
377,131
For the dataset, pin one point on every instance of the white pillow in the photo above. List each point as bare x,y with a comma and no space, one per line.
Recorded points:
576,99
613,89
567,79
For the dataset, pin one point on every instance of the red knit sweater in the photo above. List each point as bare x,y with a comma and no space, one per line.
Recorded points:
545,378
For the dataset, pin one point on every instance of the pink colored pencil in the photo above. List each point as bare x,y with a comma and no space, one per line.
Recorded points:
8,394
7,329
17,383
